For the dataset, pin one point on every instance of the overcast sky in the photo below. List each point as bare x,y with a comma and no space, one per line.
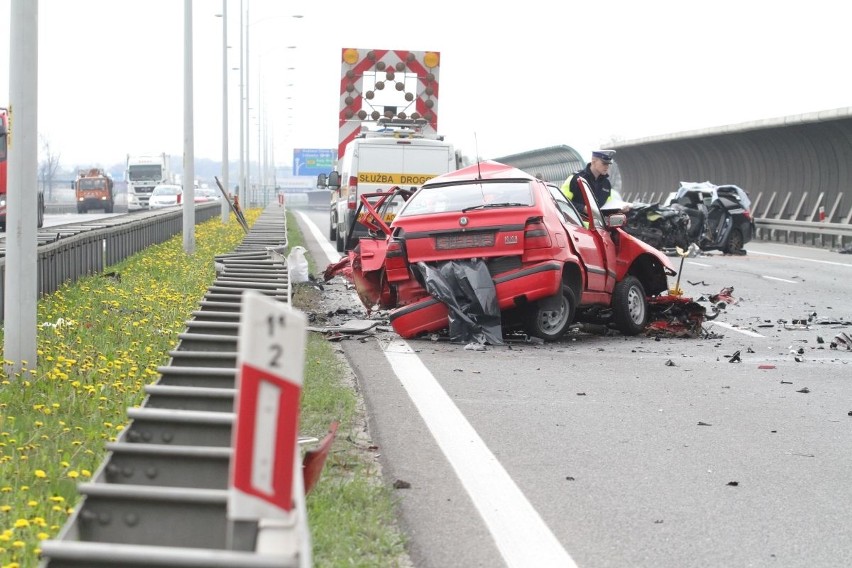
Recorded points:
523,76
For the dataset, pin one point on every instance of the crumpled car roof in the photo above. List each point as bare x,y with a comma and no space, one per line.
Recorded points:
708,187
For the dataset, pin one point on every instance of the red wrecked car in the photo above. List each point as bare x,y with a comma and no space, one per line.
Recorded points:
490,247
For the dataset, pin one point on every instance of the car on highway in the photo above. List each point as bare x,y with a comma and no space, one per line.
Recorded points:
489,247
207,194
165,195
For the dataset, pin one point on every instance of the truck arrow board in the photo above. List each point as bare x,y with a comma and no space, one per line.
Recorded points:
265,461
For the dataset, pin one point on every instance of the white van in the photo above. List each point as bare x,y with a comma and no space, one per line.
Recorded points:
376,161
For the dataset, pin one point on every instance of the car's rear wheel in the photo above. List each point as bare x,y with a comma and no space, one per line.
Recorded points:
735,243
549,320
630,308
332,229
339,242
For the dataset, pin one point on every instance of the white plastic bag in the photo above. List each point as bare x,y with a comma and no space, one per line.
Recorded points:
297,265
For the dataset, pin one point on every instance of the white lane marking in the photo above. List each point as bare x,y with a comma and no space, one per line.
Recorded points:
521,535
519,532
737,329
778,279
846,264
330,251
693,263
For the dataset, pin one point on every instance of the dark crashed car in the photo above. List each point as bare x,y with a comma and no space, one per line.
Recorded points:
702,214
720,215
490,247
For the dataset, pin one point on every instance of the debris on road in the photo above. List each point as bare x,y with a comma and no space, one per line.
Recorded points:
842,339
676,316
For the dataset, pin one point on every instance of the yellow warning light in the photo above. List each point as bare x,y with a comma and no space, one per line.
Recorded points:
431,59
350,56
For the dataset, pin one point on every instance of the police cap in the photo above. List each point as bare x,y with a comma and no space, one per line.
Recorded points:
604,155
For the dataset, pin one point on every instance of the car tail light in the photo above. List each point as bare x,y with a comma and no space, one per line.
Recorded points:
747,214
535,234
179,196
396,265
352,200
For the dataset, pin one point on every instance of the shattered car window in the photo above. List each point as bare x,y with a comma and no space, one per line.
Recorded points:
473,195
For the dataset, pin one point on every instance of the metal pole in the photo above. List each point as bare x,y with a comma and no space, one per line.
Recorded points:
242,181
272,158
188,140
225,165
259,134
247,181
20,306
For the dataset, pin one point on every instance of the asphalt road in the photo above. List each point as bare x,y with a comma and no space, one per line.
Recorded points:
606,451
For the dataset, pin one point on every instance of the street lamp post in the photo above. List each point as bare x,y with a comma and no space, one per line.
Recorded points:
225,211
242,179
245,172
188,135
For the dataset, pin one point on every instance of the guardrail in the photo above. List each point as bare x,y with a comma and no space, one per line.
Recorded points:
160,497
70,252
803,231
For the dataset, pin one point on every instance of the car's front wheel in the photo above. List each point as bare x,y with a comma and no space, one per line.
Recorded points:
630,307
332,229
549,319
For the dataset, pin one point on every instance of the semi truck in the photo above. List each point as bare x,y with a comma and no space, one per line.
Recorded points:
5,136
94,189
144,172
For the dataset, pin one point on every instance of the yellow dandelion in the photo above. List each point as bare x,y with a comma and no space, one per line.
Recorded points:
40,474
22,524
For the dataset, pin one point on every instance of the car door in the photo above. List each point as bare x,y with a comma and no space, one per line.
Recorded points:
592,241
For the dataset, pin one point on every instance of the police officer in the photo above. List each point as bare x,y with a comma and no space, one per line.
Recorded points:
596,173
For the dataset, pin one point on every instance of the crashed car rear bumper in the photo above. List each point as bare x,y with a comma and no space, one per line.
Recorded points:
530,284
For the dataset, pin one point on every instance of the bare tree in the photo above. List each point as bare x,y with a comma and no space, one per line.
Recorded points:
47,167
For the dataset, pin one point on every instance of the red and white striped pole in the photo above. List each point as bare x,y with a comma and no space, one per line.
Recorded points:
822,214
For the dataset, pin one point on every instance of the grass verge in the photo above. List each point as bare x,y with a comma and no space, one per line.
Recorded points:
100,341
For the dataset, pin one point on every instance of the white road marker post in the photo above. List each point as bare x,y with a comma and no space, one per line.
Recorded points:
266,484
